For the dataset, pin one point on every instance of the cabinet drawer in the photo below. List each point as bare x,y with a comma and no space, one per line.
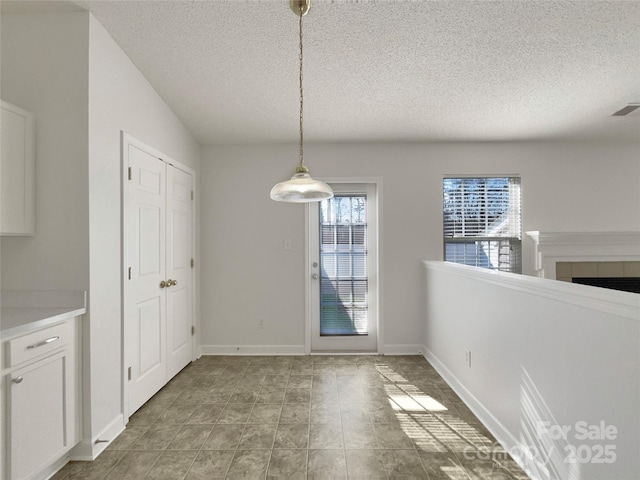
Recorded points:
32,345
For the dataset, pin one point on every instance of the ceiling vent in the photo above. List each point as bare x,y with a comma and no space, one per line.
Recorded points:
627,110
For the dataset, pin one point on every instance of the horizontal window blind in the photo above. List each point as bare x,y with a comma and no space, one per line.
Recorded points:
482,222
343,266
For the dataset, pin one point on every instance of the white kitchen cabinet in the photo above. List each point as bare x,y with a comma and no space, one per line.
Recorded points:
38,408
41,379
16,171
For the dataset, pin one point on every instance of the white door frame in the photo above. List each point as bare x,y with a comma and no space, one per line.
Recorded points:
125,140
377,181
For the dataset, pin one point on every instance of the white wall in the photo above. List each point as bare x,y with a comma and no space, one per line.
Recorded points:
246,273
541,351
120,98
84,90
45,70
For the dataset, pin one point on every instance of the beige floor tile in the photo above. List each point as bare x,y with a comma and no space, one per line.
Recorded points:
325,413
172,465
224,437
210,465
359,435
365,464
205,414
157,437
300,417
265,413
295,413
326,435
292,435
297,395
176,414
403,463
134,465
249,464
258,437
235,413
289,464
190,437
326,464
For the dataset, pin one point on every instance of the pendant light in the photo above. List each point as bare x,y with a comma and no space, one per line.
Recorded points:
301,188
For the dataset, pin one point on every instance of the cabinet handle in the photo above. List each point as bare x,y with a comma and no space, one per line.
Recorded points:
17,380
44,342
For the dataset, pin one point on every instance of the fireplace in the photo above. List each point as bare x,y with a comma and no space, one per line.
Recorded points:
614,283
607,259
623,276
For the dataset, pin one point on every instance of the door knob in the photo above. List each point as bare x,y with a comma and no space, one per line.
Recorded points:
163,284
314,276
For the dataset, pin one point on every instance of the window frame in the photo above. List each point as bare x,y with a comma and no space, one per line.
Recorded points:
512,240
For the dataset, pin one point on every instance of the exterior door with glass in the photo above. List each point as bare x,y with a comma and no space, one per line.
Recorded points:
343,254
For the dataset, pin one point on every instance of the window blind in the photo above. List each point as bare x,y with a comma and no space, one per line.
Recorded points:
482,222
343,262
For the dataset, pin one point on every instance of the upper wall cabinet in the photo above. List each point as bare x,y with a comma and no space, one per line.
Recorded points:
16,171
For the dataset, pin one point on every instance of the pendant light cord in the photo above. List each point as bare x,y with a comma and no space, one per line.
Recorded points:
301,94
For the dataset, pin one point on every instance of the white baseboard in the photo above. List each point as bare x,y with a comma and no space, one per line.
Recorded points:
50,470
484,415
252,350
298,350
505,438
401,349
88,450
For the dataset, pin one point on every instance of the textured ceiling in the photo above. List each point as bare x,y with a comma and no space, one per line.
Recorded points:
388,70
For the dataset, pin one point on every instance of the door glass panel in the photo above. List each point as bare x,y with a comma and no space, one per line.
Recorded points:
343,266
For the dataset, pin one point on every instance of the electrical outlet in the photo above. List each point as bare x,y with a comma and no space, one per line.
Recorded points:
467,357
260,323
287,244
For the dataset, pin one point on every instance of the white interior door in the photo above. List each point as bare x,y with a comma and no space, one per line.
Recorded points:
180,293
158,283
343,265
145,310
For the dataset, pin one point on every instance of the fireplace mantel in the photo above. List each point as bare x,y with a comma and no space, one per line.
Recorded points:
552,247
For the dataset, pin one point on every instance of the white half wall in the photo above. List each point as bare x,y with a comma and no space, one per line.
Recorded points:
247,274
545,356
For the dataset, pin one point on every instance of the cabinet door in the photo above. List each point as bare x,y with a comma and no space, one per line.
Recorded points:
37,429
16,171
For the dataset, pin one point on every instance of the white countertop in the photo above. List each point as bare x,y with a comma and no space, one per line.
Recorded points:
25,311
20,320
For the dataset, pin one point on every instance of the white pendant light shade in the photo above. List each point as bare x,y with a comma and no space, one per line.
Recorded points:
301,189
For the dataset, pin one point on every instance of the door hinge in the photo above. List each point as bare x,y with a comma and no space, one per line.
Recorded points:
129,373
193,330
191,194
129,273
192,263
129,173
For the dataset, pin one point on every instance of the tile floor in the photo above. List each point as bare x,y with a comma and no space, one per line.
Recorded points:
303,417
